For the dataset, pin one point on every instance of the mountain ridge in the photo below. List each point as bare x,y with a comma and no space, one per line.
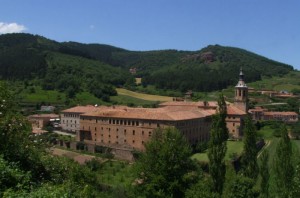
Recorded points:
103,67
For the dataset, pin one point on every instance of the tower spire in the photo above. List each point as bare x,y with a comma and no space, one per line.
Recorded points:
241,93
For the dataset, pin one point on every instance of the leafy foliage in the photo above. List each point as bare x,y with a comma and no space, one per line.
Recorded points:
165,168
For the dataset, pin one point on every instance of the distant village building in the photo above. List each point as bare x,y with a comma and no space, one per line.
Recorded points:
47,108
259,113
70,118
39,121
133,70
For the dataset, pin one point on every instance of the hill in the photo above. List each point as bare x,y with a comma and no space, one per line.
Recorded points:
212,68
72,68
30,57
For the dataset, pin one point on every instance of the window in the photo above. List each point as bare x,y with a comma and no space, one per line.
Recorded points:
133,132
133,141
150,133
117,136
233,124
142,132
124,131
95,128
142,142
124,140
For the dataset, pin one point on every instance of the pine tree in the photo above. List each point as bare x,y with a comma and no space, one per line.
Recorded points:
249,158
217,147
283,167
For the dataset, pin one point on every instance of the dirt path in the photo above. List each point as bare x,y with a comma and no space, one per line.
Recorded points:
265,147
78,157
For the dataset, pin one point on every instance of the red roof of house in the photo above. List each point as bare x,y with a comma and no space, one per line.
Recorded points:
278,113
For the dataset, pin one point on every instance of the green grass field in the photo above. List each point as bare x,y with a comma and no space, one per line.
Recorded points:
37,95
143,96
286,82
233,147
131,101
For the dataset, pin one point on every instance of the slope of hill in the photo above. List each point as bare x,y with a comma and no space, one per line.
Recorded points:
212,68
73,67
28,57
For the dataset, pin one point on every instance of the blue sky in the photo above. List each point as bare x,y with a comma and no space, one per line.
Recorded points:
267,27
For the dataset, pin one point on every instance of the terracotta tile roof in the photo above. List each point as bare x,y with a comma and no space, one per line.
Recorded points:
43,116
163,113
275,113
233,110
257,109
185,103
80,109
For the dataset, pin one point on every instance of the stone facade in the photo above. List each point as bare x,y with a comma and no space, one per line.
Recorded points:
131,128
70,118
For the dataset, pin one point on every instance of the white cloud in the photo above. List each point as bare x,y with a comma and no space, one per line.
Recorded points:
11,28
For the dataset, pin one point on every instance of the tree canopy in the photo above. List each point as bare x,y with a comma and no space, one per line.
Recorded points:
165,168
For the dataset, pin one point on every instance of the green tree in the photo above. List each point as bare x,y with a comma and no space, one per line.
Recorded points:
201,189
165,168
217,147
283,167
296,182
265,174
242,187
249,158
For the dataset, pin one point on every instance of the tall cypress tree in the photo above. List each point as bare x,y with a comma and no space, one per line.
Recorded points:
283,167
265,174
249,158
217,147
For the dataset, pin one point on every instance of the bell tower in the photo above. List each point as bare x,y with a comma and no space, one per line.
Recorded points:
241,94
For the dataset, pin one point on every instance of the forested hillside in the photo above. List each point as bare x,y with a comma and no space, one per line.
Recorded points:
54,67
74,67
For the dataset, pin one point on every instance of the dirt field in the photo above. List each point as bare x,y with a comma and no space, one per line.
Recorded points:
80,158
143,96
